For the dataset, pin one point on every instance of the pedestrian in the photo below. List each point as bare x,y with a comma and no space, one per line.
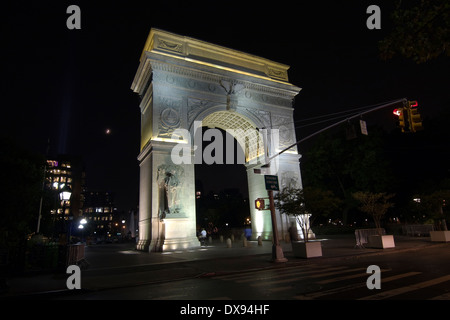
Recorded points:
203,237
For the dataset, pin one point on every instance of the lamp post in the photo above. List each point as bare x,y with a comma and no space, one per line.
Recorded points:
64,195
83,221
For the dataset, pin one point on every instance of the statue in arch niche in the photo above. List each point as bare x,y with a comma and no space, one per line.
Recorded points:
169,178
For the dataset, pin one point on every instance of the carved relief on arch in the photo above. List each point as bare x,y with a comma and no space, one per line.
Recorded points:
169,116
170,179
261,116
288,179
195,107
286,131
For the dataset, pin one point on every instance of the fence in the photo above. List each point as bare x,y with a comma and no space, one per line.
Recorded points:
41,257
75,253
417,229
362,235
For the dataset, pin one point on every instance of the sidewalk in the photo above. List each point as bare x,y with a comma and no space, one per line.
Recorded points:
120,265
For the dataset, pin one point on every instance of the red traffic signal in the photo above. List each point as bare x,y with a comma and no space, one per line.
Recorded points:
259,204
402,122
413,104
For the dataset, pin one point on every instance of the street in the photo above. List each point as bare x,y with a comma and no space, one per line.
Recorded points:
420,274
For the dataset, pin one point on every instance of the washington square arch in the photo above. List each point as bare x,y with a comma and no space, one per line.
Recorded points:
185,84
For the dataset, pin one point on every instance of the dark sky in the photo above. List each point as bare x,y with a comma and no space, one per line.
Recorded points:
69,86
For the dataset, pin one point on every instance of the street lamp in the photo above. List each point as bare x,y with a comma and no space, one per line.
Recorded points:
64,195
83,221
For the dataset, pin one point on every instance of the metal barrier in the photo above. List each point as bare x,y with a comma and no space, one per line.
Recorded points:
75,253
362,235
417,229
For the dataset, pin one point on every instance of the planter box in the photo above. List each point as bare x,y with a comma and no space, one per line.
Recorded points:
381,242
440,236
308,249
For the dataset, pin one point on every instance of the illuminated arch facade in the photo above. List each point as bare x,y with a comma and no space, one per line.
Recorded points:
182,81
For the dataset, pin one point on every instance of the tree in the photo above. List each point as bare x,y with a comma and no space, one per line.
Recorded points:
420,32
345,166
433,205
374,204
21,182
306,205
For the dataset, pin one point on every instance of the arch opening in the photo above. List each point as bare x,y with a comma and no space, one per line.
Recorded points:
222,204
246,149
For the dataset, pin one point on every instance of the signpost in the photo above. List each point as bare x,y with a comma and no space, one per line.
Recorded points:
277,251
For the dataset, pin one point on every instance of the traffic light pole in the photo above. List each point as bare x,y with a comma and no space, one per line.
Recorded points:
277,251
389,104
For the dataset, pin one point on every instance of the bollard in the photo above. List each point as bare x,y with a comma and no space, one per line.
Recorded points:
244,242
228,243
210,239
259,241
232,237
221,239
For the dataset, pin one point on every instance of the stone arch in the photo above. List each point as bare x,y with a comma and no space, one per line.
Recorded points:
181,80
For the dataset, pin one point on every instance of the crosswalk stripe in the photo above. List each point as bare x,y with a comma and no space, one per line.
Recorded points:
401,290
278,289
291,275
294,269
263,274
288,274
445,296
352,276
304,275
315,295
320,275
253,276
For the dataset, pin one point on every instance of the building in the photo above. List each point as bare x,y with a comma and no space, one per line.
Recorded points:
66,171
101,214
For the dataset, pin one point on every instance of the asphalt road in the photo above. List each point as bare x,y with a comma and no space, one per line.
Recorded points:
414,275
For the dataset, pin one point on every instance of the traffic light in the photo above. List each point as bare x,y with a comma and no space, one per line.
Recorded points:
415,121
412,104
259,204
400,113
409,119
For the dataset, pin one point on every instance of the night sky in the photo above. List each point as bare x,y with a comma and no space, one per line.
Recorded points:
70,86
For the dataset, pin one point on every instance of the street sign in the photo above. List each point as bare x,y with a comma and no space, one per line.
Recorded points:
262,170
271,182
363,126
